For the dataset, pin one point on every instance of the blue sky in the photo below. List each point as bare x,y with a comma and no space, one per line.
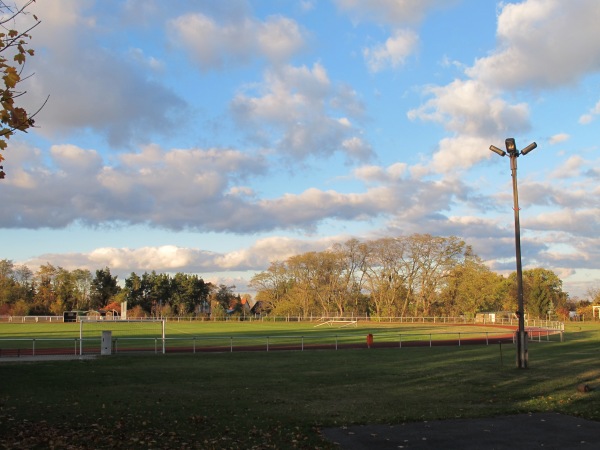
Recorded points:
216,137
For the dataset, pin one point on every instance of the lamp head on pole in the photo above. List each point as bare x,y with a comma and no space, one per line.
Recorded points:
511,146
528,148
497,150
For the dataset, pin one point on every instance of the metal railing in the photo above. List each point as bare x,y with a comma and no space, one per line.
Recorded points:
541,323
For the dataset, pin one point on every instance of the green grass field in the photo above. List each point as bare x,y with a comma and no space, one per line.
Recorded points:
281,399
233,335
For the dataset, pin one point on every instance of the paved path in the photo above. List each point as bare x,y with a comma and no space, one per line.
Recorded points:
524,431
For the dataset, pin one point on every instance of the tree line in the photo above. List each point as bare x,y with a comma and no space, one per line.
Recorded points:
417,275
53,290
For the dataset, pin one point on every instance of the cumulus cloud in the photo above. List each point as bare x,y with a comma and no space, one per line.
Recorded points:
474,113
393,52
138,188
395,12
378,174
172,259
542,44
589,117
214,45
583,222
201,189
471,108
570,168
532,37
295,112
558,138
93,87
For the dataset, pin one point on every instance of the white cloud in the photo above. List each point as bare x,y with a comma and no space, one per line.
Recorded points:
570,168
393,52
265,251
472,108
475,114
294,111
589,117
542,44
460,153
381,175
534,36
172,189
395,12
93,87
216,45
558,138
168,257
582,222
73,158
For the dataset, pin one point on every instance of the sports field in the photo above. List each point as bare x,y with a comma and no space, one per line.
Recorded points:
64,338
282,399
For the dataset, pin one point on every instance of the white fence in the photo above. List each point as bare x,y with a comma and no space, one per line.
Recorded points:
537,323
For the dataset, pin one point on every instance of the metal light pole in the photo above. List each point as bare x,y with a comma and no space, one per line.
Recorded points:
513,153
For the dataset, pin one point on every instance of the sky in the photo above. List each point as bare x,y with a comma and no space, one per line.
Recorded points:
216,137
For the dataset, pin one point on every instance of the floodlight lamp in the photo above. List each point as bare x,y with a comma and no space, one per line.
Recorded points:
511,146
497,150
528,148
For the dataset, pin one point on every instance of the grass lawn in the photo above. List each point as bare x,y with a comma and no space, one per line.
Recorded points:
281,399
222,335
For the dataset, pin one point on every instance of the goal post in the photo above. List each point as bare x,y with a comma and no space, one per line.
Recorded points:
144,329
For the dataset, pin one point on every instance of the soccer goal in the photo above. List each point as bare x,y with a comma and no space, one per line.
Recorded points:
341,323
146,332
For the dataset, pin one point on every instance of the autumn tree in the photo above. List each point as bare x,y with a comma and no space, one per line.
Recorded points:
82,280
16,25
318,278
103,288
352,276
471,287
385,278
435,257
272,285
64,292
7,282
543,292
188,291
593,294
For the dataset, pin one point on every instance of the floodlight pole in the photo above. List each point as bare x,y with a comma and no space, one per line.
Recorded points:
513,153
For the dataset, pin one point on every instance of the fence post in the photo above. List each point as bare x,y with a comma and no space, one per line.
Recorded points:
33,347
